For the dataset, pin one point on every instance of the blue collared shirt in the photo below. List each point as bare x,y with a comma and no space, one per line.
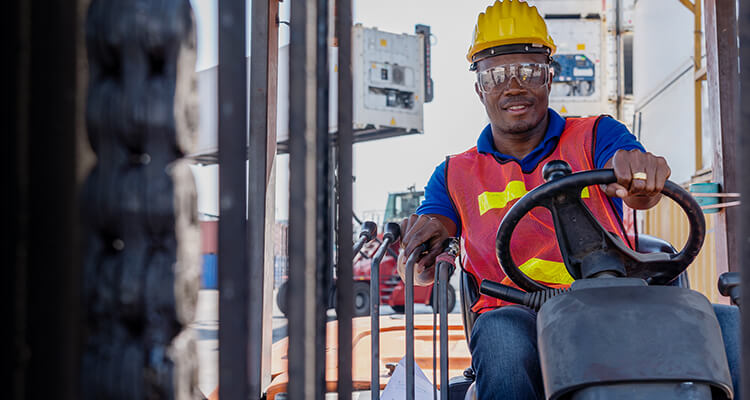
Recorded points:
611,135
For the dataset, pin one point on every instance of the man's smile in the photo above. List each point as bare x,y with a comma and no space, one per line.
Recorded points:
516,107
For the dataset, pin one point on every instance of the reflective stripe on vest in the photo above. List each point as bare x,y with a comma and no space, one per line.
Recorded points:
514,190
546,271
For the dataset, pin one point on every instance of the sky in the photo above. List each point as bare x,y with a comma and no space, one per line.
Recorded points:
452,121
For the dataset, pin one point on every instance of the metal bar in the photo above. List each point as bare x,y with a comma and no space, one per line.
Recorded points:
358,245
344,307
722,205
44,280
721,195
233,275
443,274
619,56
723,102
375,318
698,97
304,286
688,5
743,153
701,74
271,114
409,306
324,259
435,303
256,183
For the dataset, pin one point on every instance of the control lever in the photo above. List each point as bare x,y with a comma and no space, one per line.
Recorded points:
446,264
368,232
729,285
391,233
409,314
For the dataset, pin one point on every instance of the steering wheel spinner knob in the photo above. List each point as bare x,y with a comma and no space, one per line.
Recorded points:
555,169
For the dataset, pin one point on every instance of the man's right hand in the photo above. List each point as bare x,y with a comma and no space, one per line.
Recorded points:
431,229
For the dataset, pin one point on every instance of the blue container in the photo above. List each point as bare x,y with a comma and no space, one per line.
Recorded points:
210,272
706,187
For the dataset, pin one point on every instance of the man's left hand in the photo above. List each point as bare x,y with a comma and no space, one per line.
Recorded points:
640,178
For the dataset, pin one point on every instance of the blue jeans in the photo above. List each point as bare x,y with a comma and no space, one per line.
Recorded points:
506,362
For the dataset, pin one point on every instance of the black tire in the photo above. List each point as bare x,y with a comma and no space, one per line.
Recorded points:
451,298
361,295
399,309
281,297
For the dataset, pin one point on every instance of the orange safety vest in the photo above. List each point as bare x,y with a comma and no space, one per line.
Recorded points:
483,188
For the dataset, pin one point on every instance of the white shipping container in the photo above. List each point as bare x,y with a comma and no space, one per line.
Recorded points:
388,85
579,88
388,79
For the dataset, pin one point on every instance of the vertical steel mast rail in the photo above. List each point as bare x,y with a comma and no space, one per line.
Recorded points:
256,184
308,201
344,304
233,275
743,154
324,259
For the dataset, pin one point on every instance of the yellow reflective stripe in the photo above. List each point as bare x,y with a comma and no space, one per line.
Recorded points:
546,271
513,190
489,200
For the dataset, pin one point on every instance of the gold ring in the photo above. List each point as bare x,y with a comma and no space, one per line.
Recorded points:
640,175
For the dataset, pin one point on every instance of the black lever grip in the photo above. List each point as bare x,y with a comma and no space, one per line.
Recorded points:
729,285
369,230
392,230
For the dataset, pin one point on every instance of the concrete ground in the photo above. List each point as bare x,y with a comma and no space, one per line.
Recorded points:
206,328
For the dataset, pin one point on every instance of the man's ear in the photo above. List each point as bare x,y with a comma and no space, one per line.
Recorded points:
479,92
549,84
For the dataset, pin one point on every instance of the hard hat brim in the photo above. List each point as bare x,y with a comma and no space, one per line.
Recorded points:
527,48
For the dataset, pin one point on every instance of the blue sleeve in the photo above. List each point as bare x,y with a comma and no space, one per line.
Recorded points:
612,135
436,198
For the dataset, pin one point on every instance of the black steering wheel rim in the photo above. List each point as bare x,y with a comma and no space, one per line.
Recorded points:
544,195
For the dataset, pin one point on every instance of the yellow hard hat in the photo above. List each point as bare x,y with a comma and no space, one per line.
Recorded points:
509,27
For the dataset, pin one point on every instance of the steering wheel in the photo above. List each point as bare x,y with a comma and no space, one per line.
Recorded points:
588,250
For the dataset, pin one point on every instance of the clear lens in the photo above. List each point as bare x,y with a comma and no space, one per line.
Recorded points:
531,75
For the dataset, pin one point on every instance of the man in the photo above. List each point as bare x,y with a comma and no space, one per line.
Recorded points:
469,193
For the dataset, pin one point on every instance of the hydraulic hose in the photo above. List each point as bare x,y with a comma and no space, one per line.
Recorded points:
391,233
533,300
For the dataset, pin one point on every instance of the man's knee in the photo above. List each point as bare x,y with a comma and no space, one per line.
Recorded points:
507,330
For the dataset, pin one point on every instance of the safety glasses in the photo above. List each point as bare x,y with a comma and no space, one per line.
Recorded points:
528,75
